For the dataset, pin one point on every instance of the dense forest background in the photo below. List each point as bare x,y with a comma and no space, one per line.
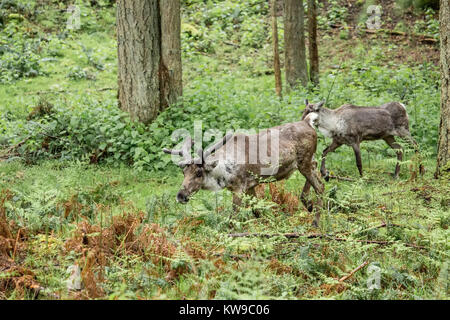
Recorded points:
87,202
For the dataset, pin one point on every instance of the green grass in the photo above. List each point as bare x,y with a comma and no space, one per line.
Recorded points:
242,267
69,208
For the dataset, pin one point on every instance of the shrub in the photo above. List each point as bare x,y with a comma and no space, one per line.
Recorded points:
18,59
419,4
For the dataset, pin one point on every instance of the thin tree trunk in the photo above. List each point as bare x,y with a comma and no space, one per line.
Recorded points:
149,66
312,36
276,53
443,157
294,43
171,75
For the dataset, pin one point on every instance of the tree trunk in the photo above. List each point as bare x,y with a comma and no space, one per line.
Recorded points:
294,43
312,36
149,69
443,157
172,86
276,53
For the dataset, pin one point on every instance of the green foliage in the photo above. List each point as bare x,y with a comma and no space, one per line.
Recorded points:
18,59
97,131
419,4
335,15
428,26
216,22
73,157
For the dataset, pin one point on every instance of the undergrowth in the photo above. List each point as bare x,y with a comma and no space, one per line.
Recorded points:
87,198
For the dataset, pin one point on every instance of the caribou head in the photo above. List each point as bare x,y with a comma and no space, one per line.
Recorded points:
195,170
310,107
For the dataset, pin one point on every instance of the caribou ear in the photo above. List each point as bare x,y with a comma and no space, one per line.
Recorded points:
306,102
319,105
210,165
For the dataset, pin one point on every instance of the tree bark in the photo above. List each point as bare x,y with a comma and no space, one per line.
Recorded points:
312,36
149,69
171,81
276,53
294,43
443,157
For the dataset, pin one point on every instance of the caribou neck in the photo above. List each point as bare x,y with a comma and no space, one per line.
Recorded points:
327,121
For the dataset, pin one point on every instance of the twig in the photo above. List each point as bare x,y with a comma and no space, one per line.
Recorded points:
365,263
265,235
7,151
340,178
15,244
232,44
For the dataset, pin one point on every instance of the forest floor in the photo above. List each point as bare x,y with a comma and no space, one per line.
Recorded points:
118,229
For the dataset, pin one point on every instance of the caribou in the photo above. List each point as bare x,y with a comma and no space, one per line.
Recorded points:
350,125
239,162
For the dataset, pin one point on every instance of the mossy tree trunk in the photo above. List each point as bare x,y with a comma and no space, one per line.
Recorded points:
312,42
171,51
276,53
443,157
149,67
294,43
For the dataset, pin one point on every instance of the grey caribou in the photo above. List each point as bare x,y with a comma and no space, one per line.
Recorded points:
350,125
237,163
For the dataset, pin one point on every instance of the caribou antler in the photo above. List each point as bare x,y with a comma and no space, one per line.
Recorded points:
205,154
183,152
184,149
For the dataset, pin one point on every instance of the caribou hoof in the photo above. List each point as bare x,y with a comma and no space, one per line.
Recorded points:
421,169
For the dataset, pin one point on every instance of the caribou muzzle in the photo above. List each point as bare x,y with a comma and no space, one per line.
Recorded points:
182,197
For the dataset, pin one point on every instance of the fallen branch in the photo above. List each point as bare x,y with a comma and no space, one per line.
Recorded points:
384,224
66,91
340,178
232,44
265,235
420,37
14,147
365,263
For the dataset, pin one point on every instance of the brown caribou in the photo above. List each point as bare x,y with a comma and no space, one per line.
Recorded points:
350,125
239,162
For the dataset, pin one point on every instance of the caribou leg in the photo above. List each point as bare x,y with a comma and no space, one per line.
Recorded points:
390,140
312,179
237,201
333,146
357,152
405,134
251,192
303,197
